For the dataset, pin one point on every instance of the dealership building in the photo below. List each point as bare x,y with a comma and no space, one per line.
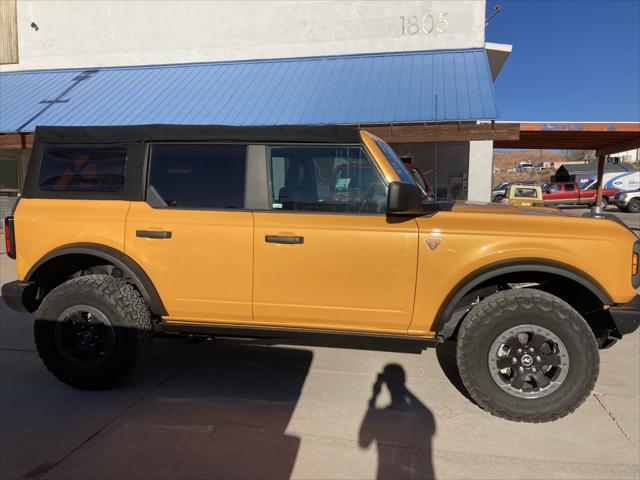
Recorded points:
418,74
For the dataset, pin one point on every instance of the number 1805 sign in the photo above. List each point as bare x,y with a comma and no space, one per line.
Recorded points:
426,24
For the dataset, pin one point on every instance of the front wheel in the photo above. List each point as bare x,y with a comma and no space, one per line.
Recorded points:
92,331
526,355
498,199
633,206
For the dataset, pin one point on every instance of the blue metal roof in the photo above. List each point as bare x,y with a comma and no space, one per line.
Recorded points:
353,89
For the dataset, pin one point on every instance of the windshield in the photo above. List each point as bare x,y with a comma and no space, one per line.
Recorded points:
395,162
418,179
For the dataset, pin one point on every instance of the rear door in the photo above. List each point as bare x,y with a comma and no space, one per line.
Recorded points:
326,253
193,235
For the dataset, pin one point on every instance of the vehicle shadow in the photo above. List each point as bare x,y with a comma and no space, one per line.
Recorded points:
222,414
446,354
403,430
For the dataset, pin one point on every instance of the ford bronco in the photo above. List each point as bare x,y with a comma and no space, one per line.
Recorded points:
306,235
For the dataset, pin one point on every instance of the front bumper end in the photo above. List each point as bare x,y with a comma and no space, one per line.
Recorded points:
20,296
618,202
626,316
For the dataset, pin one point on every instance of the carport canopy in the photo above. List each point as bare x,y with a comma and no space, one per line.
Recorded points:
606,138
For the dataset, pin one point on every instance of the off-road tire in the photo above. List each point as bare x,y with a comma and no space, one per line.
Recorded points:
508,309
633,206
124,308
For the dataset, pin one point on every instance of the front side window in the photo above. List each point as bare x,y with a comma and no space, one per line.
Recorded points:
197,176
326,179
83,170
569,187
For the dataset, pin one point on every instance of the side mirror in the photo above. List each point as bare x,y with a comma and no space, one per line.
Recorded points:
404,199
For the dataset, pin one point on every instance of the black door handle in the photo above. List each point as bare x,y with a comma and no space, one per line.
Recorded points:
153,234
283,239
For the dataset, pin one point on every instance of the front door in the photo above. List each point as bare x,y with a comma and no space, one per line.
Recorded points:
326,255
193,235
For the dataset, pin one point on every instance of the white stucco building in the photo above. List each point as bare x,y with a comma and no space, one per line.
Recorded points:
96,36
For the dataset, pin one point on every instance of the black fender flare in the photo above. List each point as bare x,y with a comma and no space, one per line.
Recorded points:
131,270
447,318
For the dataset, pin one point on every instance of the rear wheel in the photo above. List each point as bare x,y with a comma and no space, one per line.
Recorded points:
92,331
526,355
634,205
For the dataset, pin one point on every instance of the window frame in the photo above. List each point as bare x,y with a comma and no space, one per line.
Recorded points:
147,176
369,158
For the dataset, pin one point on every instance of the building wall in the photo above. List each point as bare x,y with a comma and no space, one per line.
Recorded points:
450,160
480,171
81,33
630,156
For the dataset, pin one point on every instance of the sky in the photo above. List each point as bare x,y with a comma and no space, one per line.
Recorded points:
572,60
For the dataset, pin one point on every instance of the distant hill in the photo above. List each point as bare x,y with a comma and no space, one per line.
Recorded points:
509,160
506,160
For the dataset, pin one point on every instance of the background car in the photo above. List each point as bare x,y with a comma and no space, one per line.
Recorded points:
628,201
523,195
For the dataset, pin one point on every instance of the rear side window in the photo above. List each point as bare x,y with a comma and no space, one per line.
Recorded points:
83,170
569,188
526,193
197,176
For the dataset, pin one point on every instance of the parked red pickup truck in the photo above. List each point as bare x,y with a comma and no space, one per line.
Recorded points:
568,193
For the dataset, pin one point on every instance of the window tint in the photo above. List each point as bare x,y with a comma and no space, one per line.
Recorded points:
197,175
323,178
83,169
569,187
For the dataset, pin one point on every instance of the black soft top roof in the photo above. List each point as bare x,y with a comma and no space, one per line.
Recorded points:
143,133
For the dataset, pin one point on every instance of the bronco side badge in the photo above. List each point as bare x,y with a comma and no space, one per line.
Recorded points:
433,243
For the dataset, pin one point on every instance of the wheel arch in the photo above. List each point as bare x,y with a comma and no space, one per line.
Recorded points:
63,261
454,308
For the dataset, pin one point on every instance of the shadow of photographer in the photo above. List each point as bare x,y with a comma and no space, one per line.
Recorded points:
403,430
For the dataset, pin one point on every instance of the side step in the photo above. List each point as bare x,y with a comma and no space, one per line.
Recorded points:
302,336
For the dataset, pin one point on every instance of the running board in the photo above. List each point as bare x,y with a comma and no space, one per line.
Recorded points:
302,336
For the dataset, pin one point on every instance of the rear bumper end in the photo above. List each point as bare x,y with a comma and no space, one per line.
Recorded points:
20,296
626,316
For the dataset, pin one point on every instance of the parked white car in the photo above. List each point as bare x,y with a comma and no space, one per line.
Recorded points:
628,201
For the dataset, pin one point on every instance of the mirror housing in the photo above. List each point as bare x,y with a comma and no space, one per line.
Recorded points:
404,199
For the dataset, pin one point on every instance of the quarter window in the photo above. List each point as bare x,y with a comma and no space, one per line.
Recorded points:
197,175
83,170
326,179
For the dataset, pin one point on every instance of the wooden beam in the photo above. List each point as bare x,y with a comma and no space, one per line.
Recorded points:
620,147
601,160
447,132
16,141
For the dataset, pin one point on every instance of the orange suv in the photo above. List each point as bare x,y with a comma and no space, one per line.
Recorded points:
312,235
